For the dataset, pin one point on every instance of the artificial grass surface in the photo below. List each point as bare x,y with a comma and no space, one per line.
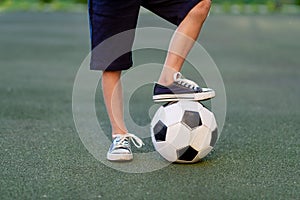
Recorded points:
257,156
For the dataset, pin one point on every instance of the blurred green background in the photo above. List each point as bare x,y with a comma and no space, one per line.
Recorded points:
232,6
256,47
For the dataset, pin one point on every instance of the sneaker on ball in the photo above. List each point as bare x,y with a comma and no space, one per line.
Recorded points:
181,89
120,149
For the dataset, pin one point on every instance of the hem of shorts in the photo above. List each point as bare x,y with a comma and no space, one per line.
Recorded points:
187,9
124,66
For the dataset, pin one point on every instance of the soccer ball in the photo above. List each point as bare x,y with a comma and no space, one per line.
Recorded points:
184,131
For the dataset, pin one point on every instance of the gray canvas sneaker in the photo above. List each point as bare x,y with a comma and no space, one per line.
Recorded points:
120,149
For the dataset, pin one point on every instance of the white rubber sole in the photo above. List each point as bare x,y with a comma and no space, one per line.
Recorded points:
119,157
176,97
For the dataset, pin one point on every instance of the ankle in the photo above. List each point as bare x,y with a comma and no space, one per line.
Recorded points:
118,132
167,76
165,82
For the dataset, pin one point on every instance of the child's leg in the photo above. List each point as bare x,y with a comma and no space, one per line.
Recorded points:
120,149
113,97
190,26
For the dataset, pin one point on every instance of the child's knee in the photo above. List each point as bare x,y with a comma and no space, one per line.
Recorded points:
201,10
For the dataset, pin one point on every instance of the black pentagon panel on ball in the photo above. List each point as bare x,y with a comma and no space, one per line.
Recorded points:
214,137
191,119
187,153
160,131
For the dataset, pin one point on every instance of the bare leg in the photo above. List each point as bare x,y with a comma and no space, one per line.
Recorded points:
113,97
183,40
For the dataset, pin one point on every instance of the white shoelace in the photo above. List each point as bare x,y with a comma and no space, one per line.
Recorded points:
178,78
135,140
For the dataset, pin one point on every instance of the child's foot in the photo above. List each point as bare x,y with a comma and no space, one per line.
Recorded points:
181,89
120,149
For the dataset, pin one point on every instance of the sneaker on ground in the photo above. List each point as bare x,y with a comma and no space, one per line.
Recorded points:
120,149
181,89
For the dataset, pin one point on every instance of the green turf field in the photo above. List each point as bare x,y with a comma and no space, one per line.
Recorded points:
257,156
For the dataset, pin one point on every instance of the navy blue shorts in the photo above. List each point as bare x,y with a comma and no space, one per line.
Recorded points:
110,17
